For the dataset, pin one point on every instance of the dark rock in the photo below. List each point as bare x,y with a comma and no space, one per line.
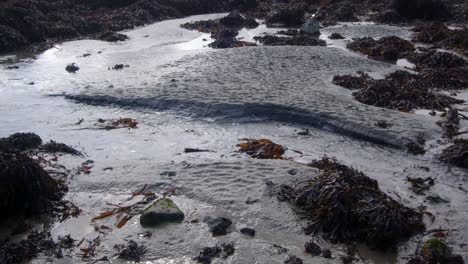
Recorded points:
160,212
234,20
20,141
286,15
421,9
219,226
337,11
312,248
248,231
132,251
336,36
72,68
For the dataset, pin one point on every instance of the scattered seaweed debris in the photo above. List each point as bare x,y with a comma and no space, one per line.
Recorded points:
86,167
400,90
54,147
29,248
389,48
420,185
435,250
131,251
261,148
456,154
116,124
344,205
207,254
26,188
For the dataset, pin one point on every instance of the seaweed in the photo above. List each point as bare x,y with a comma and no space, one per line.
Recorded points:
261,149
29,248
54,147
207,254
20,141
456,154
389,48
131,251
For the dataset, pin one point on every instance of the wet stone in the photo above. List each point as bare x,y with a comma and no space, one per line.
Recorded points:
336,36
219,226
72,68
111,36
160,212
248,231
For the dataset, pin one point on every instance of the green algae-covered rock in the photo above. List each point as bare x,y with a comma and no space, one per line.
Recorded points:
161,211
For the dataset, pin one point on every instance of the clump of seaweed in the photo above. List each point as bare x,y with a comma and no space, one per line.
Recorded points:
351,82
436,59
207,254
54,147
302,39
456,154
261,148
27,249
345,205
20,141
389,48
131,251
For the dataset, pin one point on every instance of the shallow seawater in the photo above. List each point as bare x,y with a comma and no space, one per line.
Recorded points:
185,95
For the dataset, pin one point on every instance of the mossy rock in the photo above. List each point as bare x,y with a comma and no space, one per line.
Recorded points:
160,212
434,247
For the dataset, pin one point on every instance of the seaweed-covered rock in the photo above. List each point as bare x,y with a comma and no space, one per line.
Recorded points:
236,20
351,82
20,141
342,11
297,40
387,48
25,188
457,153
10,39
112,36
345,205
161,211
436,59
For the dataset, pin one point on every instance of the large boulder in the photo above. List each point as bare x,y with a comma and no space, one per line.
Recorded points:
160,212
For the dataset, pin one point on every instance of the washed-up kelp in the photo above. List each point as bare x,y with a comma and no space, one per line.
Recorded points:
387,48
261,148
132,251
55,147
25,188
207,254
457,153
345,205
